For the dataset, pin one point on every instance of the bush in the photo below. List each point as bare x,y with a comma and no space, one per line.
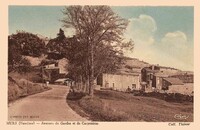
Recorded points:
137,92
34,88
75,95
13,91
170,97
106,88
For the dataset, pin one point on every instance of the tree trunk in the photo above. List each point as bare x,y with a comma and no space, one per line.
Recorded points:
91,80
91,89
81,82
84,87
87,76
87,84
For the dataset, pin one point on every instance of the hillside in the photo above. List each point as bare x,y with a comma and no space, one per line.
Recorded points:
136,63
35,61
20,87
132,65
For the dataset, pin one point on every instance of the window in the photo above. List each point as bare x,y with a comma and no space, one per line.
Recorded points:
165,85
133,86
148,77
151,76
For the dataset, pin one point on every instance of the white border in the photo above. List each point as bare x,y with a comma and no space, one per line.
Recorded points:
102,125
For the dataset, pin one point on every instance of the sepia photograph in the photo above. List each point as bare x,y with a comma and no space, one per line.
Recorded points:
100,63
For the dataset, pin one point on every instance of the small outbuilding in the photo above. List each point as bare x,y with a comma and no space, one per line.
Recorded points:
170,82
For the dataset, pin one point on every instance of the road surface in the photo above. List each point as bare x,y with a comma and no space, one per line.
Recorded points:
50,105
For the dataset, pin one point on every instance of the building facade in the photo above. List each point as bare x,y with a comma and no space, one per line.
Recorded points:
54,71
120,82
175,85
148,77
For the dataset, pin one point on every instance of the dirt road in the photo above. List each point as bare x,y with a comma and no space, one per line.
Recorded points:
46,106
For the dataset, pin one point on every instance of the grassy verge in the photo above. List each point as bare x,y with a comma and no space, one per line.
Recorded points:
73,102
21,87
119,106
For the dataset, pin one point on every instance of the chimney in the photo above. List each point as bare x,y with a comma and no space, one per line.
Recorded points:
153,67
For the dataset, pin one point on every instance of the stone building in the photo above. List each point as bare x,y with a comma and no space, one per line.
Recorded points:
149,79
153,76
175,85
54,71
119,81
158,78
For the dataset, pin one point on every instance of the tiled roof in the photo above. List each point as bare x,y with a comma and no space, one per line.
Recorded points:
63,79
174,81
123,73
159,74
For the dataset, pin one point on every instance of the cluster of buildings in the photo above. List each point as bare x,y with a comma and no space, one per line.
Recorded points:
151,78
56,73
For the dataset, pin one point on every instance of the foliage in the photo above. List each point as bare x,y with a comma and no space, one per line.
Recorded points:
99,40
57,47
24,66
14,55
29,44
16,62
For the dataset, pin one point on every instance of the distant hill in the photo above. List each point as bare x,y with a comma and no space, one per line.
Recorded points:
135,63
132,66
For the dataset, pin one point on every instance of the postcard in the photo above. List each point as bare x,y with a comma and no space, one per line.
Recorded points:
93,65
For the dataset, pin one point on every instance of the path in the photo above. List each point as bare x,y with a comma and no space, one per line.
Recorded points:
46,106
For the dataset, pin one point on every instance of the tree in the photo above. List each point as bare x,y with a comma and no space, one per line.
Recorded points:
58,47
100,32
29,44
14,55
16,62
61,35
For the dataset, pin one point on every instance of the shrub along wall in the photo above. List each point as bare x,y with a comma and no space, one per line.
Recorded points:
170,97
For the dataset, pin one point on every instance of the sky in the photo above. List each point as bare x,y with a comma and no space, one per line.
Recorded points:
162,35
